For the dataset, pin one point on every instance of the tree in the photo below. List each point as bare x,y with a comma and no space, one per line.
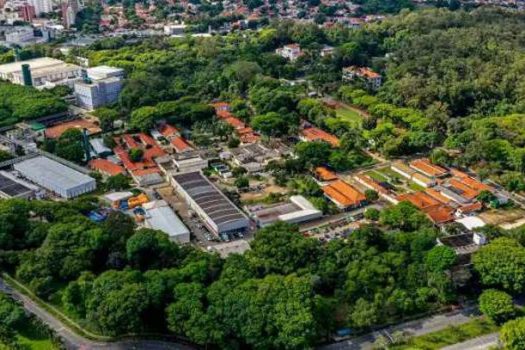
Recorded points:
271,124
371,195
404,216
242,182
496,305
106,117
313,154
70,145
279,248
144,118
440,258
372,214
136,154
149,249
117,182
512,334
501,263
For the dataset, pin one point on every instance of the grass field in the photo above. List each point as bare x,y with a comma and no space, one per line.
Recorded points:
346,115
450,335
376,176
415,187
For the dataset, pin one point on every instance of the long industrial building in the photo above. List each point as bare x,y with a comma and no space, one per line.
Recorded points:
40,72
159,216
55,177
217,212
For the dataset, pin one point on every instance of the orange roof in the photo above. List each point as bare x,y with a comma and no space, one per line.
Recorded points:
147,140
475,184
419,199
440,214
362,72
249,138
437,195
180,144
343,193
224,114
458,173
57,130
130,141
316,134
221,106
427,168
168,130
470,208
236,123
106,167
142,172
372,183
153,152
243,131
463,189
324,174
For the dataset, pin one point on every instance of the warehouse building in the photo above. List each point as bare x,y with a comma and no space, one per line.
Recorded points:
43,71
11,187
56,177
159,216
217,212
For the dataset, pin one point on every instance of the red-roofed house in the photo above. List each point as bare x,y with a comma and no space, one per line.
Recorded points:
180,145
315,134
372,79
105,167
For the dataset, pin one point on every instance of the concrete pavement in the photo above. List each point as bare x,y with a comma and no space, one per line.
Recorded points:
72,340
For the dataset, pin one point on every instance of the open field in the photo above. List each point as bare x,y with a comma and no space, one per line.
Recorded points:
31,337
350,116
502,217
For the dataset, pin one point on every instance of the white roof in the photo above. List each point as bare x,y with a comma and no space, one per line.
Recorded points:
98,146
301,215
103,71
159,216
118,196
302,202
52,172
35,64
471,222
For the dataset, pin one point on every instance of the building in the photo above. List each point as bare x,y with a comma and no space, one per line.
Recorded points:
373,185
324,175
44,71
27,12
100,87
327,51
41,6
312,133
56,177
105,167
366,75
180,145
402,169
437,212
159,216
216,211
296,211
189,162
69,9
12,187
463,244
344,195
99,149
291,52
174,29
428,169
20,35
423,180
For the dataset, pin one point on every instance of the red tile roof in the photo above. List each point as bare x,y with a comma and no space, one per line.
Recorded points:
106,167
316,134
419,199
180,144
427,168
168,130
344,194
57,130
440,214
324,174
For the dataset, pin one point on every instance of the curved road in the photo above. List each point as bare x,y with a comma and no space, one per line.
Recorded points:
72,340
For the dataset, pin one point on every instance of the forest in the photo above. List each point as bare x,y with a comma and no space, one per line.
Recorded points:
288,291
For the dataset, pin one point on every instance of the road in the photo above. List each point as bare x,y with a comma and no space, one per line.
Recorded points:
481,343
72,340
414,328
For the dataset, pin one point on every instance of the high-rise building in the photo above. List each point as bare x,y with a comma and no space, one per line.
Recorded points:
41,6
100,86
27,12
69,8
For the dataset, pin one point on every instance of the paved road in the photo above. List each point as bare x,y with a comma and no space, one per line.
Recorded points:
414,328
481,343
74,341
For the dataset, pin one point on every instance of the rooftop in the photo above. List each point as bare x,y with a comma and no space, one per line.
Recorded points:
325,174
160,216
343,193
12,187
57,130
316,134
210,199
36,64
106,166
423,165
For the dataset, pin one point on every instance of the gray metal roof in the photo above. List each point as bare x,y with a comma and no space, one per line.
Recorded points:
52,172
164,219
12,188
214,203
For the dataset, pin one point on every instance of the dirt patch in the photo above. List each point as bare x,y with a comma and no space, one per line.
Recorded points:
502,217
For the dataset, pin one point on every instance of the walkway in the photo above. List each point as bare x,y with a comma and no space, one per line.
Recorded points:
481,343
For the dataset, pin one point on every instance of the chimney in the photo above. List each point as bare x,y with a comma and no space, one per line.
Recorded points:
26,75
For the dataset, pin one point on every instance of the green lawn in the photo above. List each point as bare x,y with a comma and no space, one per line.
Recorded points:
31,337
450,335
349,115
376,176
414,186
389,172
